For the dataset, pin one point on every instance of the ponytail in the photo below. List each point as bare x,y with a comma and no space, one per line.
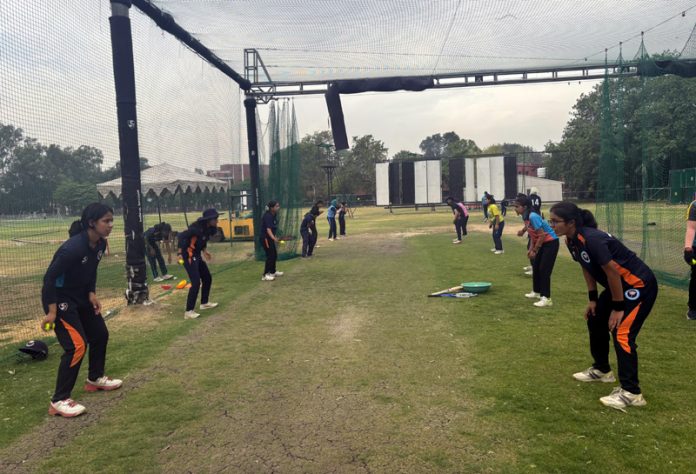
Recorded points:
587,219
75,228
271,205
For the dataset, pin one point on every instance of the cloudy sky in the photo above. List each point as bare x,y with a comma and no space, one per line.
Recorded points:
530,114
56,76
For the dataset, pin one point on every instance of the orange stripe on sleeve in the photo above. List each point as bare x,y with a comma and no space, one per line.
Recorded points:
191,247
77,341
629,277
625,328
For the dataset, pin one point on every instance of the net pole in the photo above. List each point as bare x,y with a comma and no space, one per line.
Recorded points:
253,146
124,80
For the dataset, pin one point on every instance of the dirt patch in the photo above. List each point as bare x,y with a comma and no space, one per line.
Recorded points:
347,324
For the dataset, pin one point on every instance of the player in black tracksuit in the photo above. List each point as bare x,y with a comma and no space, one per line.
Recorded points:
69,300
191,248
629,295
152,236
308,230
269,228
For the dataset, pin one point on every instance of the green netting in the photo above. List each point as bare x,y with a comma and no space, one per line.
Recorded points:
282,182
646,178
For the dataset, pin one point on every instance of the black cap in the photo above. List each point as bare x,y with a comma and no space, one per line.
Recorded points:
38,350
209,215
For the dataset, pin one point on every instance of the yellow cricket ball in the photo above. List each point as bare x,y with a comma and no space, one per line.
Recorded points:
282,242
49,326
181,261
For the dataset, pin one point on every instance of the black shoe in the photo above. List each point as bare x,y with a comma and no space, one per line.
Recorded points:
691,315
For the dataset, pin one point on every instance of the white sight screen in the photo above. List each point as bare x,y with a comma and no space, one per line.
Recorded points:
382,181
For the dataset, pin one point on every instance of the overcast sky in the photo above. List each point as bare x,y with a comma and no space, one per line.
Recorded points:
530,114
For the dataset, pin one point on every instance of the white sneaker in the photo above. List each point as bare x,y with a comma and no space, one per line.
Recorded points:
191,315
620,399
278,274
494,250
594,375
330,240
499,252
67,408
158,279
168,276
530,273
532,295
208,305
267,277
456,241
543,302
527,268
103,383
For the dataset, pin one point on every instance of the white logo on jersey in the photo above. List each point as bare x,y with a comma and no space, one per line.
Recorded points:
585,256
63,306
84,259
632,294
99,255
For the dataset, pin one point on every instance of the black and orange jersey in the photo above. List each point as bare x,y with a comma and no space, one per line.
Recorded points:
193,240
593,248
73,270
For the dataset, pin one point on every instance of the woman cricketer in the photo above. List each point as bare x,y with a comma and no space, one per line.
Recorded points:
461,217
620,310
192,248
269,227
69,300
497,223
542,251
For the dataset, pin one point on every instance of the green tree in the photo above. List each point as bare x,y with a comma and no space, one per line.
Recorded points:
75,195
435,146
356,174
312,156
404,155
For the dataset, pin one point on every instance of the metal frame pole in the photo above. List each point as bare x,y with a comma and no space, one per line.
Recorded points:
137,291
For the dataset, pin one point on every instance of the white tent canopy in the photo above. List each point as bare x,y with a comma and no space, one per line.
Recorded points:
166,177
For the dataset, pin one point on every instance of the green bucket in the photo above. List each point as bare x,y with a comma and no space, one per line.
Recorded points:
476,286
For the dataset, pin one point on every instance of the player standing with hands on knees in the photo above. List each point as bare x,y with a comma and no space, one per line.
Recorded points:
193,243
620,310
70,302
269,227
461,217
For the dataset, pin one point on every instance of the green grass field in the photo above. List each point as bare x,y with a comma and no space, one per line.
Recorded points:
344,365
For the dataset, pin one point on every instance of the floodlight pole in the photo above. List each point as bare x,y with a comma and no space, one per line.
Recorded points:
124,80
328,168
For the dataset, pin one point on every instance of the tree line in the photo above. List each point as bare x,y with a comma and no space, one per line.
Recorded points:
654,120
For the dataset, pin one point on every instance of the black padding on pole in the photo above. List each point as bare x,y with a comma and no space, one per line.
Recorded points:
456,178
394,189
253,147
386,84
124,81
168,24
338,125
510,169
408,183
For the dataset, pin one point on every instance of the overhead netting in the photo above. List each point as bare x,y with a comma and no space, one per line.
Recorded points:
322,40
59,139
